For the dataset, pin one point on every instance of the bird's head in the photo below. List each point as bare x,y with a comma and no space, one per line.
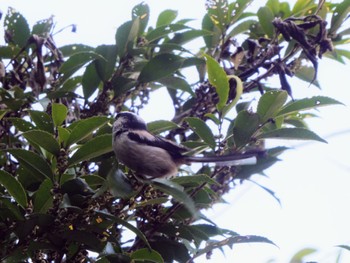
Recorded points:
128,121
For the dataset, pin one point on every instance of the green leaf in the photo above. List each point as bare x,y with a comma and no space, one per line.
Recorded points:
157,127
14,188
142,13
21,124
230,242
202,130
166,17
242,27
274,5
44,140
245,125
218,13
210,40
177,192
69,50
339,15
291,134
306,104
145,254
187,36
177,84
218,78
85,128
43,27
16,26
301,254
301,7
2,113
270,103
126,225
63,135
118,184
42,120
59,113
90,80
159,67
307,74
194,180
266,16
163,31
33,162
105,67
126,35
76,62
93,148
43,198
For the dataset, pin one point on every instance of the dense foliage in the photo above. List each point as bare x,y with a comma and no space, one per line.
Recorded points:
62,191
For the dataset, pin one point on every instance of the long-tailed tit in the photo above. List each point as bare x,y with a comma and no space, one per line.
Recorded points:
151,156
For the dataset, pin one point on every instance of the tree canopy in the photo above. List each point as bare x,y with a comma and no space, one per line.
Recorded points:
63,193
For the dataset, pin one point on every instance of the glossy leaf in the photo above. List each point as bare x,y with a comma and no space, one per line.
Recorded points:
177,192
339,15
245,125
291,134
21,124
145,254
218,12
91,149
2,113
210,40
306,104
42,120
43,27
72,49
90,80
105,67
118,184
159,67
231,241
301,7
59,113
270,103
142,13
218,78
43,198
163,31
266,16
307,74
157,127
194,180
17,27
44,140
166,17
33,162
177,84
76,62
126,225
126,36
14,188
202,130
85,128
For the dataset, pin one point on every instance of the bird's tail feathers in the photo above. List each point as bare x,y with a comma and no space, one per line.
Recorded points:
224,160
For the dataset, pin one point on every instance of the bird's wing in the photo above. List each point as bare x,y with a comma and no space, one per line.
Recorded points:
146,138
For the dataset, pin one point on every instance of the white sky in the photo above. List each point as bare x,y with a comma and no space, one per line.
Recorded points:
312,181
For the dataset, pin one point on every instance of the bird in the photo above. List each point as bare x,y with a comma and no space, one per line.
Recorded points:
151,156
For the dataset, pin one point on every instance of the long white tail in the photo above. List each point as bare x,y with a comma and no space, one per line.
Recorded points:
225,160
